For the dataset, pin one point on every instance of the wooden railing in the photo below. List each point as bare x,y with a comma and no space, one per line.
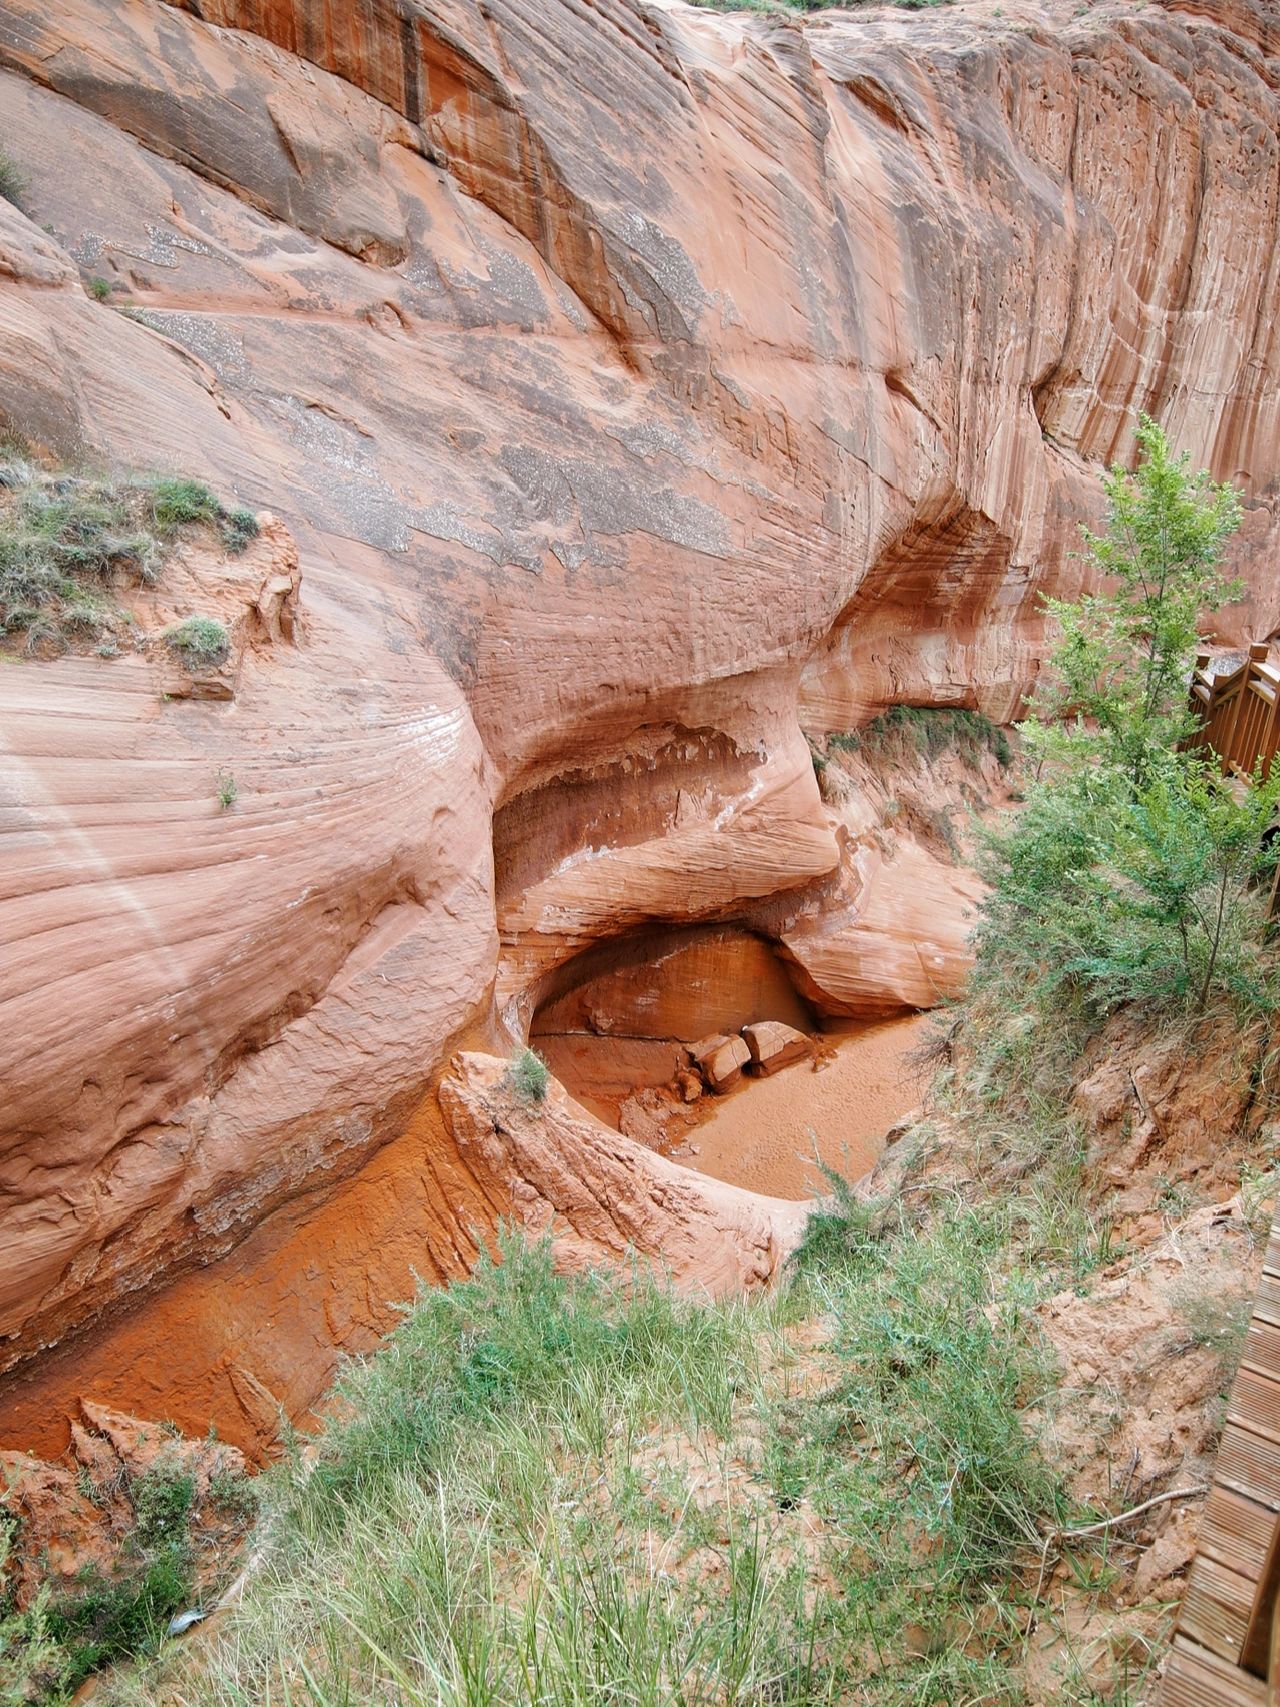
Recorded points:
1239,713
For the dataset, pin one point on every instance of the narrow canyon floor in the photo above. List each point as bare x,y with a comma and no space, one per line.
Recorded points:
879,1480
776,1135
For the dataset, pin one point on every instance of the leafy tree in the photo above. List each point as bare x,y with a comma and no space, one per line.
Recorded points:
1133,872
1122,661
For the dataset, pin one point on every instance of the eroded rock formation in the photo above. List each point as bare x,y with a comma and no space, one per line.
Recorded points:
641,387
599,1192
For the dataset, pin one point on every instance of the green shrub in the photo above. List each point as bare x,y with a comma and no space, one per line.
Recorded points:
181,503
99,288
13,180
69,541
114,1617
228,790
528,1076
162,1498
201,642
238,526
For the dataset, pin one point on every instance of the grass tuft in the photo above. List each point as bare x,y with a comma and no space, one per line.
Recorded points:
13,180
528,1076
71,541
904,732
201,642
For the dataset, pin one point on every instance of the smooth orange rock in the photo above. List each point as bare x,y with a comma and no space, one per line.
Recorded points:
633,398
722,1068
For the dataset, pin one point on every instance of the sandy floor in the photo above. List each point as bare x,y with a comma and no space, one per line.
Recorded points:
764,1135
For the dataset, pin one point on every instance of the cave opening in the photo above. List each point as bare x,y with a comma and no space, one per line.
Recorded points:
620,1017
617,1026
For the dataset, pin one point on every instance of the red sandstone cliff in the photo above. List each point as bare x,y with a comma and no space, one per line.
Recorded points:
640,386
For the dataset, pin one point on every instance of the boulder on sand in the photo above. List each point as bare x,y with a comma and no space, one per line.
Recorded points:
702,1051
773,1044
723,1068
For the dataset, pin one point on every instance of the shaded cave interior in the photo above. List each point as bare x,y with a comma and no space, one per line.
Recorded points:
617,1018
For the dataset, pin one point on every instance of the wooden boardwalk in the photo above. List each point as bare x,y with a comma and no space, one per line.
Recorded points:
1239,711
1228,1637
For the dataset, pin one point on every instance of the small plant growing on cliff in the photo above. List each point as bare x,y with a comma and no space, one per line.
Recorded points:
99,288
201,642
72,541
179,503
162,1497
529,1076
238,526
907,731
13,180
228,790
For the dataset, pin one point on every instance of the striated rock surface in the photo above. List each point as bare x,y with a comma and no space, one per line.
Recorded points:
638,387
599,1194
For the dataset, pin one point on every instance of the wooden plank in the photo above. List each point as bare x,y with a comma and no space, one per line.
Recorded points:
1262,1346
1255,1402
1271,1262
1196,1678
1235,1531
1255,1655
1250,1465
1217,1609
1267,1304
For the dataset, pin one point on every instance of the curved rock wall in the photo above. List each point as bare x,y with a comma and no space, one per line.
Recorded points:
640,386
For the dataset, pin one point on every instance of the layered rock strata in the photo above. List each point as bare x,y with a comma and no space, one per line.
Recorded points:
640,387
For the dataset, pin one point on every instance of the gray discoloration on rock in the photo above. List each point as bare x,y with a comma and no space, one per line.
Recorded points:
608,503
163,247
647,439
354,487
208,338
446,521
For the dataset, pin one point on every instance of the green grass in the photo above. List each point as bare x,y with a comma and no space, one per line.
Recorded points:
904,731
201,642
13,180
528,1076
552,1491
71,541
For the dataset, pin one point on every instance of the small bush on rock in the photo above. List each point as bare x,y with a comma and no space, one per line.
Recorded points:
180,503
238,527
201,642
906,731
13,180
529,1076
71,541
